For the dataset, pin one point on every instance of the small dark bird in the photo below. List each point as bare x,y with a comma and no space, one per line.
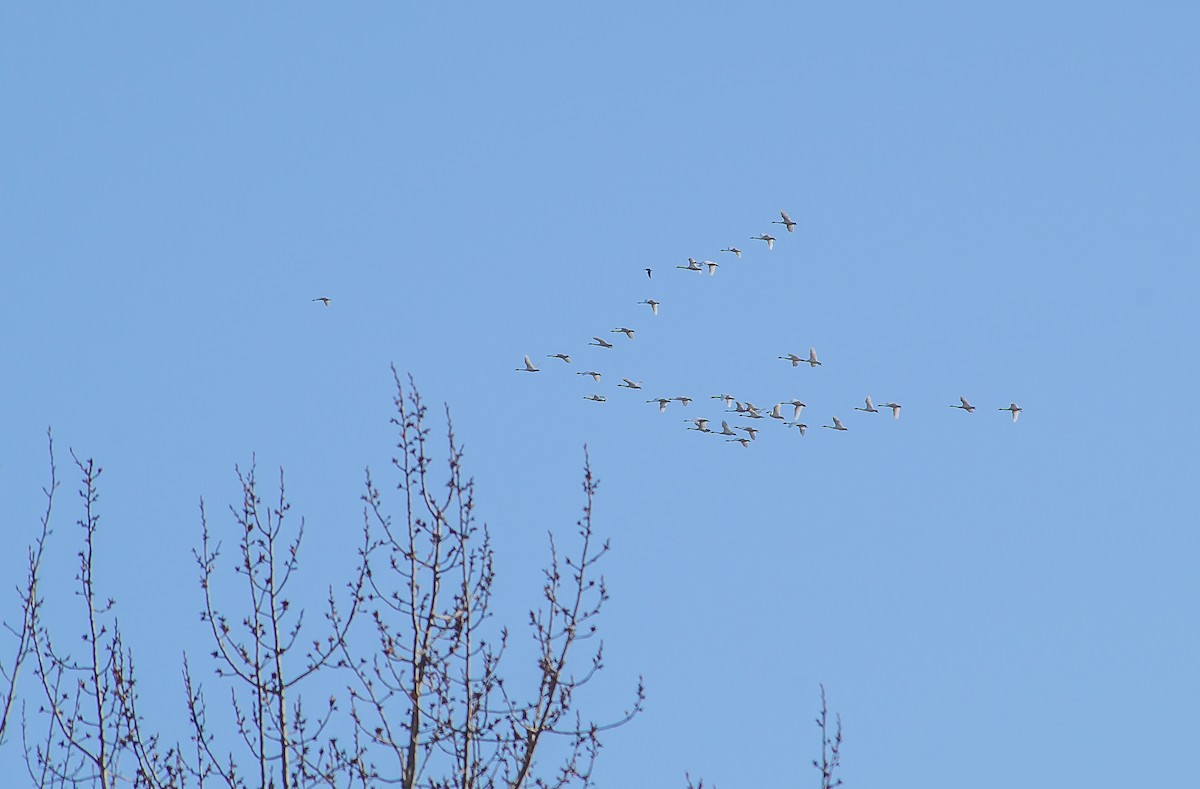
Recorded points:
324,300
648,274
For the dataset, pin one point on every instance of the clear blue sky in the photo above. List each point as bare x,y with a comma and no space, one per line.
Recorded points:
997,202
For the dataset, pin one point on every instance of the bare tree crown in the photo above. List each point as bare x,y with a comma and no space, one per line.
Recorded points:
407,660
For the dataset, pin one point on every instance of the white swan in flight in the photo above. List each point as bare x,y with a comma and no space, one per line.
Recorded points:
662,403
1014,408
528,368
787,221
965,405
837,425
870,409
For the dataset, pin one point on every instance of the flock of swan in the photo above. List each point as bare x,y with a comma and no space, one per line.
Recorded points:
734,407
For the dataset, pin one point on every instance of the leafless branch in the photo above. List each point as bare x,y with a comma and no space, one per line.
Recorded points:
831,747
27,593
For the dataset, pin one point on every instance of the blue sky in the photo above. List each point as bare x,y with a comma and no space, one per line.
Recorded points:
991,202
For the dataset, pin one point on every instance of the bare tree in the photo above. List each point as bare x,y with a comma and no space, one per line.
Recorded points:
412,645
432,697
93,734
287,747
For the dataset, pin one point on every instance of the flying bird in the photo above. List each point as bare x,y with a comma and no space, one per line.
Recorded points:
596,397
595,375
528,368
693,265
1016,409
801,427
622,330
799,406
701,425
630,384
837,425
870,409
684,400
712,267
787,221
750,431
662,403
324,300
728,398
726,430
648,276
653,305
965,405
745,442
599,343
764,237
562,356
775,414
734,250
812,357
895,409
